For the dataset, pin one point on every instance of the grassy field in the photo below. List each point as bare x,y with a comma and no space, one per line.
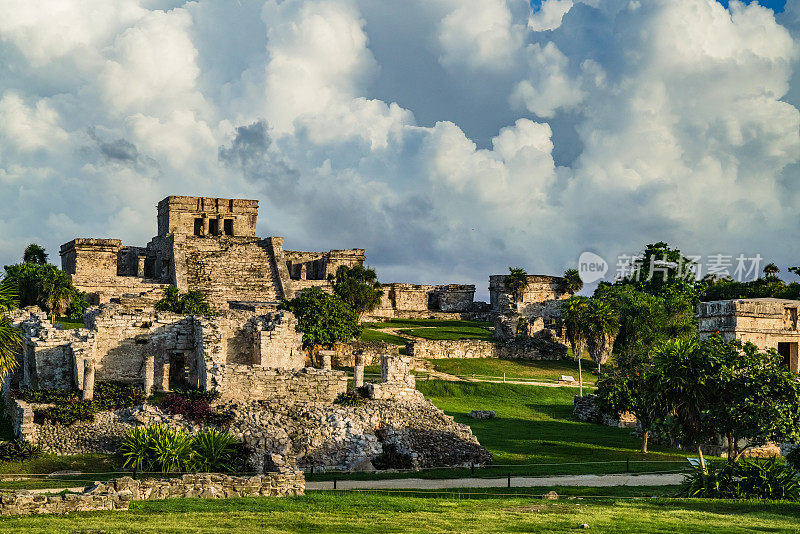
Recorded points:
546,371
450,332
333,512
103,465
66,324
368,334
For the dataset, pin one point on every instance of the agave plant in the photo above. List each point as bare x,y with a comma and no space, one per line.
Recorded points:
213,451
171,449
135,449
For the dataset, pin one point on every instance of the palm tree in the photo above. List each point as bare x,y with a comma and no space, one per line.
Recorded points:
55,290
516,282
681,388
771,270
9,336
34,254
602,326
573,316
571,283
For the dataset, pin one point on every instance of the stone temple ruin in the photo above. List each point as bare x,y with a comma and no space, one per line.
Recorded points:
280,405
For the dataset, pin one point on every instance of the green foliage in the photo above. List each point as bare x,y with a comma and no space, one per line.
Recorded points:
48,396
665,272
322,318
193,394
765,479
717,387
10,337
771,269
67,413
573,316
34,254
516,281
571,282
793,458
160,448
358,287
117,395
190,303
18,450
46,286
452,332
602,324
522,328
767,287
349,398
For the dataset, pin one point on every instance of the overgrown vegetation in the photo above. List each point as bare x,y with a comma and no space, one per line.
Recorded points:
322,318
349,398
766,479
18,450
195,405
10,337
160,448
47,286
192,302
358,286
69,408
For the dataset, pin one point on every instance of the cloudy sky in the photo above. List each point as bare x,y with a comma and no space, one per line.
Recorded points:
450,138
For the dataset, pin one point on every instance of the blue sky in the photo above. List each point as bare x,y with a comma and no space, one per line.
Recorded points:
776,5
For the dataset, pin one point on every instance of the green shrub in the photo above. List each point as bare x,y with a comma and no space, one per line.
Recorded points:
747,479
349,398
213,451
47,396
117,395
793,458
191,394
191,303
17,450
67,413
160,448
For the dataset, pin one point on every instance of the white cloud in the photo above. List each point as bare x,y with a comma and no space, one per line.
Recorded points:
601,125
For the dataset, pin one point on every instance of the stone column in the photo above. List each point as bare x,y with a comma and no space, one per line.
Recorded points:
358,371
326,356
140,266
149,373
88,379
165,376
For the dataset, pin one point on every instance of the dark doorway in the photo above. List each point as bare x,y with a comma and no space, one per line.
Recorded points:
177,371
228,226
785,350
198,227
213,226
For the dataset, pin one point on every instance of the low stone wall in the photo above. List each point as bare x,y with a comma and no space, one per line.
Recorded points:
586,409
116,494
371,352
253,382
469,348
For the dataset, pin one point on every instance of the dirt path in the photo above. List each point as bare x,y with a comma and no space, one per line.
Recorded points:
594,481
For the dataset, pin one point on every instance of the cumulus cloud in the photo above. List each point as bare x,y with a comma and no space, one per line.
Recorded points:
449,138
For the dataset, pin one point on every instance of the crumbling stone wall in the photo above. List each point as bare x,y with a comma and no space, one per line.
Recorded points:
370,352
236,382
586,409
451,301
540,289
469,348
116,494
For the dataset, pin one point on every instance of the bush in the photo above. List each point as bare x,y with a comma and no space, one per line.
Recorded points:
47,396
160,448
191,394
197,410
349,398
67,413
793,458
213,451
18,450
747,479
117,395
190,303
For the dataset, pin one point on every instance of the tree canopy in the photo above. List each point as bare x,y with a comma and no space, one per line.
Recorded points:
34,254
358,287
516,281
322,318
10,337
190,303
571,282
47,286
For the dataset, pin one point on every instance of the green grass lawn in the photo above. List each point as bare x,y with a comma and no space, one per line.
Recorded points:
450,332
368,334
102,465
351,512
410,323
534,425
544,370
66,324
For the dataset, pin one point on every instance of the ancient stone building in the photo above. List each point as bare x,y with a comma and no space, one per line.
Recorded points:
402,300
766,322
202,243
540,305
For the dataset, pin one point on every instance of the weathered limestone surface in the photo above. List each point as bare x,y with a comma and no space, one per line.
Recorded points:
116,494
370,352
540,289
451,301
469,348
586,409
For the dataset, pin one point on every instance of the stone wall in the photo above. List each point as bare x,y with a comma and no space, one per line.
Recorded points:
116,494
370,351
411,301
245,382
540,288
468,348
586,409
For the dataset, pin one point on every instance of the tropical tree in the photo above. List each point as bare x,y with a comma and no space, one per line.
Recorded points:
516,281
34,254
771,270
322,318
571,282
190,303
631,386
573,318
9,336
358,286
662,270
684,384
602,326
55,290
